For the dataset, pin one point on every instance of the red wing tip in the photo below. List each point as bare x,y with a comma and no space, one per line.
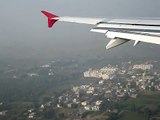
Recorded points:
43,11
48,14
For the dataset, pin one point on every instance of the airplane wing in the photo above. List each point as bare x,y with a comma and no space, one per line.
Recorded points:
119,31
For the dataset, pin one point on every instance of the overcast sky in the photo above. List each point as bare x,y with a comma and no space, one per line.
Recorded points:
24,32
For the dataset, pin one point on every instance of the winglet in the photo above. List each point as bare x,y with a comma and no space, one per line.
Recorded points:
51,18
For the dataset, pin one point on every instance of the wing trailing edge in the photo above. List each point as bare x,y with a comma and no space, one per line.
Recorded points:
134,36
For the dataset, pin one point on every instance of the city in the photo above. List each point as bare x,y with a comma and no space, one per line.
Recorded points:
104,91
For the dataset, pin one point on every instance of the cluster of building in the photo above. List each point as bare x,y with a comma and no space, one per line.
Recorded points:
112,84
3,113
47,67
143,66
127,82
104,73
31,113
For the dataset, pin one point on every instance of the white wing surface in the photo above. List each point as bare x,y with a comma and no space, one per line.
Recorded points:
119,31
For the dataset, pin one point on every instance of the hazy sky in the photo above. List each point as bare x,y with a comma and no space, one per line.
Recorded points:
24,32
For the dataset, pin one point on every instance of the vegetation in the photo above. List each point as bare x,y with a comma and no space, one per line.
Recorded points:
22,93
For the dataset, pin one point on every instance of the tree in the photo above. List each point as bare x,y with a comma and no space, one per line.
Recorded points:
49,113
105,104
62,115
133,107
113,116
147,113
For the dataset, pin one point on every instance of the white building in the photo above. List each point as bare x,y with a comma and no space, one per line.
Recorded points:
45,66
143,66
95,108
69,105
31,115
88,108
42,106
90,90
92,73
98,102
84,87
101,82
32,74
104,73
50,73
3,113
58,106
84,103
105,76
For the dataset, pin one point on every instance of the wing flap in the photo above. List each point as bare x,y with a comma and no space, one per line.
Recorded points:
136,43
134,36
115,42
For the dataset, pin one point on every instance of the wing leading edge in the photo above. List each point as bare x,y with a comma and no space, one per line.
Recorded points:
119,31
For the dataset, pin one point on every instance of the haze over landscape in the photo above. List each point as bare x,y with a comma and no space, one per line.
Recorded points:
66,73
